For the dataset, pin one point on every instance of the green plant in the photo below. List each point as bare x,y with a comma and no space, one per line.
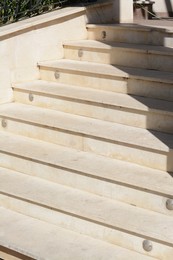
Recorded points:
13,10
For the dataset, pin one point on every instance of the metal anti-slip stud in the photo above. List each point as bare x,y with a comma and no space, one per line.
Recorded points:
80,53
57,74
104,35
31,97
147,245
4,123
169,204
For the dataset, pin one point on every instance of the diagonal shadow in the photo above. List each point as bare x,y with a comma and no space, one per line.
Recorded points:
136,76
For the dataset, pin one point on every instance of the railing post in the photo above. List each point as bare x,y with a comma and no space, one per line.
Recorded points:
123,10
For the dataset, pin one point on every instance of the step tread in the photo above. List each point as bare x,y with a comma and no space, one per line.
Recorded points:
103,168
107,46
125,135
82,204
132,27
107,70
40,240
98,96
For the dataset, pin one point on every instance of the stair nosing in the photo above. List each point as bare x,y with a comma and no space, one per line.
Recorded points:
31,227
92,131
124,75
84,98
84,157
132,27
110,45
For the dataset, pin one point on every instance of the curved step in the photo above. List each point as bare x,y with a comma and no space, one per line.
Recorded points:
97,174
113,140
131,33
123,54
87,213
40,240
125,109
149,83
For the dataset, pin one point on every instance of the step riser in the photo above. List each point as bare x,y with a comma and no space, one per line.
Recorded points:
128,35
77,224
151,89
83,181
141,87
137,118
130,154
103,82
89,143
122,57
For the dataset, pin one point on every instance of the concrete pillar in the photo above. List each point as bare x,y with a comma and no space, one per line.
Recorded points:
123,10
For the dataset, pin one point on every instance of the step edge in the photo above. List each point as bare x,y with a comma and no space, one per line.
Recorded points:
124,75
89,174
130,48
101,137
132,27
11,245
96,221
99,103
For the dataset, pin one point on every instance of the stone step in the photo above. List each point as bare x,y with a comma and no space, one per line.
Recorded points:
90,172
125,109
36,239
12,255
131,33
123,54
88,214
149,83
154,149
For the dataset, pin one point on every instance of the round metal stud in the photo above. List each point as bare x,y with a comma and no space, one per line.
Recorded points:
31,97
169,204
80,53
4,123
104,35
147,245
57,74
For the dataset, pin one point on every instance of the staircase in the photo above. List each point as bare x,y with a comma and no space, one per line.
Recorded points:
86,152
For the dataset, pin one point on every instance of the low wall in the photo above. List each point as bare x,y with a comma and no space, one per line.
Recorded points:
25,43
